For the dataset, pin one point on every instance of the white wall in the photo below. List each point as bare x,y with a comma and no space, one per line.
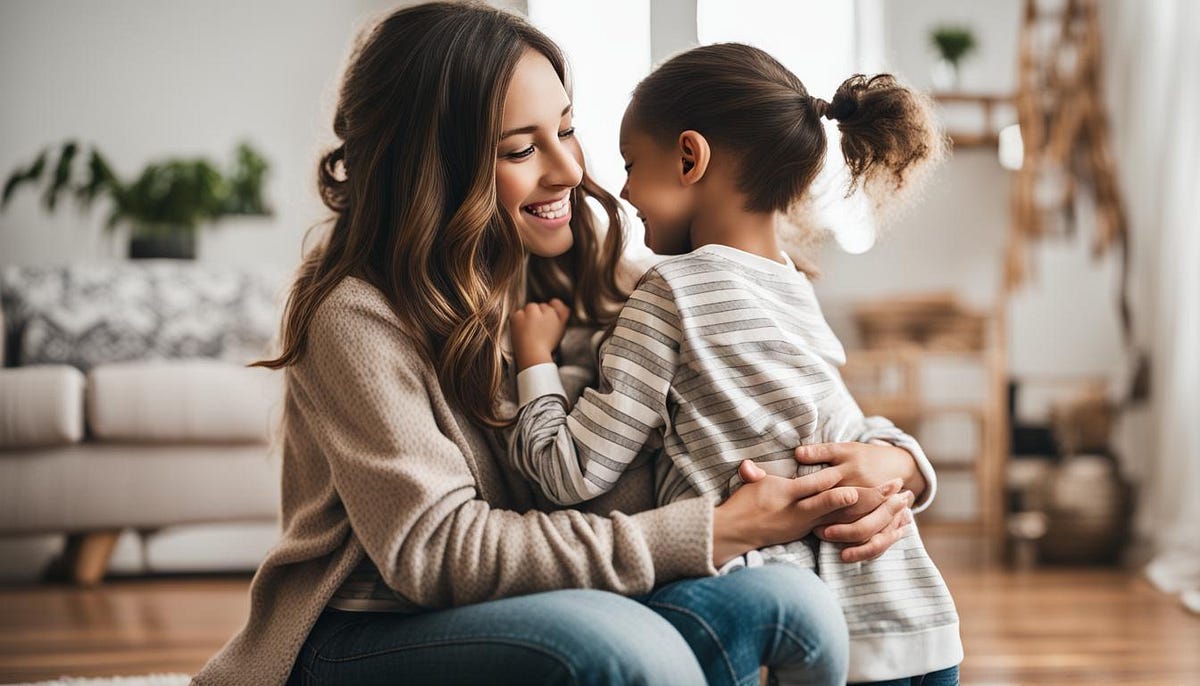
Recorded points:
144,79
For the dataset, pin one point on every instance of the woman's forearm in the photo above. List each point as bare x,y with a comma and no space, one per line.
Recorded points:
730,538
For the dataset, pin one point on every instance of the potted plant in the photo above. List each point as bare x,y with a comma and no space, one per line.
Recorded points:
952,43
163,206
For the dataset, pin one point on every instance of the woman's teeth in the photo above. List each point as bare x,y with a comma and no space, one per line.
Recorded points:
553,210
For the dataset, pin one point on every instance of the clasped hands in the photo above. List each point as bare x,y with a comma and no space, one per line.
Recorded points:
862,498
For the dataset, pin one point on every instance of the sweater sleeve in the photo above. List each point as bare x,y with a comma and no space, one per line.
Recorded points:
578,456
370,401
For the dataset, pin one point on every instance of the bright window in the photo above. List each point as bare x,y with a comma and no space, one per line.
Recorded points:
815,39
607,44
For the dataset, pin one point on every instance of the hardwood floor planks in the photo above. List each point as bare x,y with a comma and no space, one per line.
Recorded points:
1050,626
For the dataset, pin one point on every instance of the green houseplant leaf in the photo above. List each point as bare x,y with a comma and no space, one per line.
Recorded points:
953,42
169,197
22,176
62,174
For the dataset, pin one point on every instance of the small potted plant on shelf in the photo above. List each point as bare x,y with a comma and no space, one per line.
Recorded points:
164,206
952,43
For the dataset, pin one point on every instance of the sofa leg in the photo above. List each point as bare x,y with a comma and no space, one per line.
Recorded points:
85,558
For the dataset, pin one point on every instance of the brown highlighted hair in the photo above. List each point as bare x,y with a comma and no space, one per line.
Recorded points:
412,189
749,105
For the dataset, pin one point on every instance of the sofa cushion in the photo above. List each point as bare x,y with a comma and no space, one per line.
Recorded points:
41,406
182,401
90,486
207,548
90,314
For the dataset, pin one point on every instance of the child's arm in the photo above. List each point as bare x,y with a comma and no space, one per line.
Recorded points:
848,427
578,456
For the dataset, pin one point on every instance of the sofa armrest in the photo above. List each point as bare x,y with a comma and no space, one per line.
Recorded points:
41,406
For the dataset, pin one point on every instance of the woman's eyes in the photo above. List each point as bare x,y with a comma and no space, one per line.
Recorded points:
526,152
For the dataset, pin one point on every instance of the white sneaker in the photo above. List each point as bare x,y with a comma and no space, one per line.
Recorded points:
1191,600
1175,572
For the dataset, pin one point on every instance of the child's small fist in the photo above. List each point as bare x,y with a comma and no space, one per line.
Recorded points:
536,330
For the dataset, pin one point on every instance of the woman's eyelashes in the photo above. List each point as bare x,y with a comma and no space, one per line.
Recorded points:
520,154
527,151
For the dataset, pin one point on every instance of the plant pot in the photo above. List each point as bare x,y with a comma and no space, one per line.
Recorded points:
945,76
1088,512
173,246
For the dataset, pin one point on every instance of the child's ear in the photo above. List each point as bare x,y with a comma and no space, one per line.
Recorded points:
694,155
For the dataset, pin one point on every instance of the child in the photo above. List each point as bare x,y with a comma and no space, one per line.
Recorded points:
721,354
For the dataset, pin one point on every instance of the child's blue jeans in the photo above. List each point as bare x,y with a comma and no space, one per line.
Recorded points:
942,677
714,630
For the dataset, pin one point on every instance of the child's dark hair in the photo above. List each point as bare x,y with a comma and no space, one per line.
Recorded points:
745,102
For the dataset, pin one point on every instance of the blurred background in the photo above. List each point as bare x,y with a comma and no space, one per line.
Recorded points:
1034,318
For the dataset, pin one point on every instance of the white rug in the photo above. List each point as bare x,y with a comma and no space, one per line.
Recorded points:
148,680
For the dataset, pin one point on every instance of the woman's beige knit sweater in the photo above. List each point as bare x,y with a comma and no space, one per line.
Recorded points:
376,463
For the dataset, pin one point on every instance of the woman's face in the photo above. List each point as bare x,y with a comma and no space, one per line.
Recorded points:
538,160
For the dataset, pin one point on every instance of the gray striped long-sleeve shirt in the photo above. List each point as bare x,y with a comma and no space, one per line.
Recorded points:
720,356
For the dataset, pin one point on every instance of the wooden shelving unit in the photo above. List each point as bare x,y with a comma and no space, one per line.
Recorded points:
990,110
888,381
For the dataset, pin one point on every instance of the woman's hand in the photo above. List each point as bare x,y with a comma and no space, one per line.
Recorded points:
536,331
768,510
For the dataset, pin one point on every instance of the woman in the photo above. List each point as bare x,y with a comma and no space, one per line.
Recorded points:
408,550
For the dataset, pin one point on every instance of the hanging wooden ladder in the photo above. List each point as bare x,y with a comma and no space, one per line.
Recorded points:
1065,134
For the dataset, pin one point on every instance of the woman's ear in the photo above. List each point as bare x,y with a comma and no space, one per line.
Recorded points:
694,154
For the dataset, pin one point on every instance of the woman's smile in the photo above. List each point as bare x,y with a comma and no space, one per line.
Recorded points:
552,214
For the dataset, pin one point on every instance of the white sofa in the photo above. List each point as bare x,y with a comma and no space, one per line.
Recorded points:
132,423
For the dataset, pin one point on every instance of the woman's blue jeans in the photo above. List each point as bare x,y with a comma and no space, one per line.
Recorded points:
715,630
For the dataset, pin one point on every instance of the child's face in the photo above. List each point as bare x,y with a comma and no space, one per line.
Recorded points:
653,185
539,161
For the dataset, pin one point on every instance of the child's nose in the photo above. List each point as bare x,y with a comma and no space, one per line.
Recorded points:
625,191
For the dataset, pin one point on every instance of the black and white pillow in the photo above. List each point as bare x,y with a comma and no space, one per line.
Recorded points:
89,314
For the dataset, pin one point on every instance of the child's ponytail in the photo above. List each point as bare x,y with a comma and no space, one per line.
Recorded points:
889,132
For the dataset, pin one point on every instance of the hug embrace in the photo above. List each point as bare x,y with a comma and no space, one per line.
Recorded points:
512,457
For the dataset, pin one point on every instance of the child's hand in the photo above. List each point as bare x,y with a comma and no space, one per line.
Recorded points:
537,330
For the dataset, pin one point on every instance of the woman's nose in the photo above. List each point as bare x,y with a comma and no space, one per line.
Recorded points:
564,170
625,191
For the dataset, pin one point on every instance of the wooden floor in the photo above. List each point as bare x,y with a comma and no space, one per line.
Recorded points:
1073,626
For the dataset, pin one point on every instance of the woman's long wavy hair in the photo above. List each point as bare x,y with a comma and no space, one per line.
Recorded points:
412,188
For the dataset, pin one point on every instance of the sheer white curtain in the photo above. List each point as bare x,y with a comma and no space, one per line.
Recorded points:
1153,50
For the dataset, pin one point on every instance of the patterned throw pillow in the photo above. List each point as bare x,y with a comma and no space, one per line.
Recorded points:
89,314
